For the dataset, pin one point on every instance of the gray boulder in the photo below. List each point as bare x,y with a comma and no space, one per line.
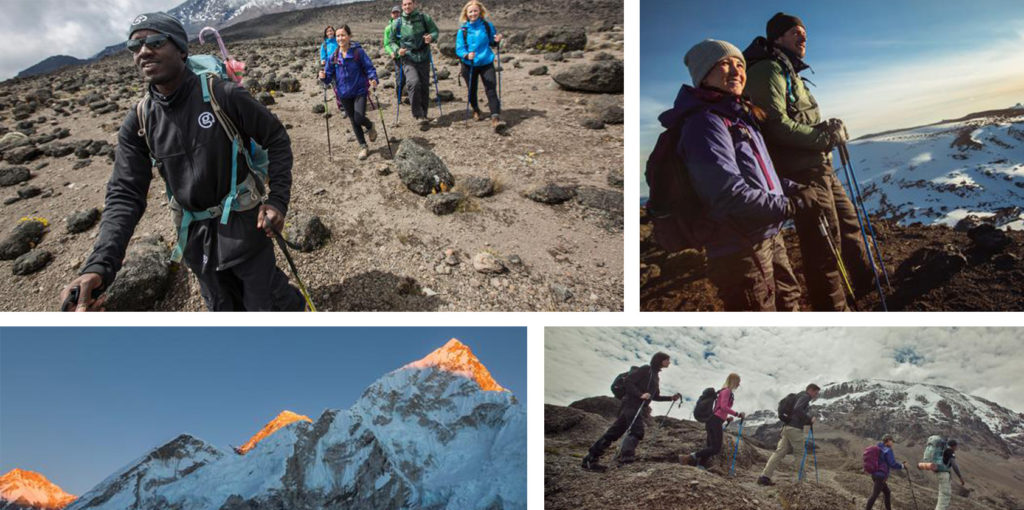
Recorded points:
145,277
421,170
444,203
307,231
606,108
82,220
9,176
562,38
604,77
25,236
550,194
477,186
31,262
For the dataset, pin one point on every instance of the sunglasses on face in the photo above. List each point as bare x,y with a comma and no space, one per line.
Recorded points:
152,42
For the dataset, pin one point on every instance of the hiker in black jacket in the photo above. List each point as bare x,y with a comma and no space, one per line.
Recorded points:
792,438
234,261
641,389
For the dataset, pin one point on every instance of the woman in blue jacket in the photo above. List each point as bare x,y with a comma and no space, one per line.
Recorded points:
352,72
473,44
733,176
879,477
328,46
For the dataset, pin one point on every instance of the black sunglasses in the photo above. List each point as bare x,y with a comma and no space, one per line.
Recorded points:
152,42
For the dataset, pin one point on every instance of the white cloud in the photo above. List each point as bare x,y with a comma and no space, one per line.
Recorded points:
33,30
581,362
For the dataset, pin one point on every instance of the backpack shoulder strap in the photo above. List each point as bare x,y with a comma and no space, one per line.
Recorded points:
490,31
140,113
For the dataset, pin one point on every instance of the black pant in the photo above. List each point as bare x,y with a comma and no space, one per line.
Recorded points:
490,86
880,488
255,284
355,108
714,429
417,79
627,415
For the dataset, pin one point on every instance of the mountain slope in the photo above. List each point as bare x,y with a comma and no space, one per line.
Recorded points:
416,438
283,419
22,490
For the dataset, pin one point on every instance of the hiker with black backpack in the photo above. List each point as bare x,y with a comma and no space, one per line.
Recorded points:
637,389
794,413
800,144
225,227
716,412
713,185
878,460
352,71
412,35
473,44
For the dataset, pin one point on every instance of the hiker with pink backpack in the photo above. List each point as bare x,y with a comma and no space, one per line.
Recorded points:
878,460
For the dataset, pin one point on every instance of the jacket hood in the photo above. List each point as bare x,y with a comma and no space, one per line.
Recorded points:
691,100
760,49
657,360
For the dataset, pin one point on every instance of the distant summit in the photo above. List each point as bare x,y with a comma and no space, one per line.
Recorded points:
457,358
281,420
52,64
23,490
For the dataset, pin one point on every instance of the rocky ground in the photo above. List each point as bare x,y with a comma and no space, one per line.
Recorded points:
972,267
657,480
533,221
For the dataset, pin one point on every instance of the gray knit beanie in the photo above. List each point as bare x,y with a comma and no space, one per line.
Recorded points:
705,54
164,24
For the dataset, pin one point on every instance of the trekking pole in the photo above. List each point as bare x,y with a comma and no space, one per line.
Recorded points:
823,228
469,90
911,488
497,53
664,416
871,229
382,123
844,158
630,427
800,473
327,121
283,244
739,438
814,451
398,85
434,70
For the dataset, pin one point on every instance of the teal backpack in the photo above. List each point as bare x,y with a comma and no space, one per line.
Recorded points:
241,197
933,451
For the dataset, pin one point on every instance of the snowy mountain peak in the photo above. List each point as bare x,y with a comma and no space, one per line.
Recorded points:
456,357
282,420
20,488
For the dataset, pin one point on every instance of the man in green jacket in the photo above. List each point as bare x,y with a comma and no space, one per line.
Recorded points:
391,50
801,146
412,34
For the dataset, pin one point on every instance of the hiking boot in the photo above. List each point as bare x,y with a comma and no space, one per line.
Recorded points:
626,460
371,133
590,464
497,124
363,153
424,124
476,116
688,460
764,480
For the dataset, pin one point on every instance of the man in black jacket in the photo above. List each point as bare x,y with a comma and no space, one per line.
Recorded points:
234,261
641,388
792,432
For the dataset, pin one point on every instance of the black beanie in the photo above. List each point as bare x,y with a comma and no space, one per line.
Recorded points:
163,23
657,360
780,24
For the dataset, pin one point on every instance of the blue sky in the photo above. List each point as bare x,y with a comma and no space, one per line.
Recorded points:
877,65
76,404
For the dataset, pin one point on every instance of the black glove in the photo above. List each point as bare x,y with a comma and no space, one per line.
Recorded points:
836,131
802,201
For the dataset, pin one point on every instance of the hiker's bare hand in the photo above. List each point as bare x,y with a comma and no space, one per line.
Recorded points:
645,396
323,75
270,220
471,56
497,38
86,283
373,83
427,39
677,396
401,52
741,415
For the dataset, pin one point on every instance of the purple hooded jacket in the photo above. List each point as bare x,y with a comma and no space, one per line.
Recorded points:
351,73
888,462
729,167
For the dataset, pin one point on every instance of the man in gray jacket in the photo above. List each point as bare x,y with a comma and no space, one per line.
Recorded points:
792,432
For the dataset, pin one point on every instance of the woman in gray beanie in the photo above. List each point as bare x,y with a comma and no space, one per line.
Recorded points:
729,168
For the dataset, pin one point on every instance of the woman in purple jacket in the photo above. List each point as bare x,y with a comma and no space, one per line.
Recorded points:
736,182
352,72
880,476
714,426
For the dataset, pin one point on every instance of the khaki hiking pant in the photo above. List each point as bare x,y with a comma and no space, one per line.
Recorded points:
944,490
826,290
743,287
792,440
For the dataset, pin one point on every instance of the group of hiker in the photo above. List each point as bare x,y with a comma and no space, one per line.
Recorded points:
640,386
756,153
227,221
408,39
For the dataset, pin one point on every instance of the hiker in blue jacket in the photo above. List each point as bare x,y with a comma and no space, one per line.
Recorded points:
881,475
473,44
351,70
328,46
735,180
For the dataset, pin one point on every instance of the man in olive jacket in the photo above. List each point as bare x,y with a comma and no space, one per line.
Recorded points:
412,35
800,145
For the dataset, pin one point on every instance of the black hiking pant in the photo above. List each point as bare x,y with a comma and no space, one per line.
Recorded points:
627,420
881,487
759,279
714,444
355,108
826,290
255,284
488,75
417,80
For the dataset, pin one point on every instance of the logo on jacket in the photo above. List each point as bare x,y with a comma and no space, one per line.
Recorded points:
138,20
205,120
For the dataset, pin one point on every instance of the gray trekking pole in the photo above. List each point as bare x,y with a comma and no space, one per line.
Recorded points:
469,90
814,451
398,85
630,427
383,125
430,52
327,112
911,488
